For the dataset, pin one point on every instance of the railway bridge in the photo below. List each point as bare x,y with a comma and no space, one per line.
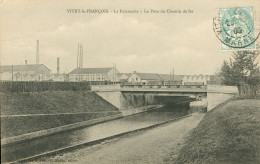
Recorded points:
124,97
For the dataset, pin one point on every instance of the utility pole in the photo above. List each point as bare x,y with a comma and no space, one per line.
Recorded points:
12,73
113,73
37,53
173,74
78,62
170,78
81,60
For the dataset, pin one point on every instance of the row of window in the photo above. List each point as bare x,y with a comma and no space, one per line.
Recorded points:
134,79
86,75
88,79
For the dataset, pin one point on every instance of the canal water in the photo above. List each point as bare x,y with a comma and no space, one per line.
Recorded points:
88,134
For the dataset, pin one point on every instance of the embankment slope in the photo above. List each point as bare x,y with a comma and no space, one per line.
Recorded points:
23,113
228,134
52,102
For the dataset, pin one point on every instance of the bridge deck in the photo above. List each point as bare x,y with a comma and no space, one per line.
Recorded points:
191,90
164,89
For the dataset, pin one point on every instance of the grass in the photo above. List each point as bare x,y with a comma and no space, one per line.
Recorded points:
228,134
52,102
13,126
49,102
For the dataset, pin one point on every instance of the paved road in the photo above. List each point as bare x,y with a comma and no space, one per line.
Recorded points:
158,145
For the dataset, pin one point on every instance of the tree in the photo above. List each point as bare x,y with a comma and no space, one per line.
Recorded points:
225,74
254,79
242,68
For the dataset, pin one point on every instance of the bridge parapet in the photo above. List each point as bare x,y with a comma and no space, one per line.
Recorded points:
115,87
222,89
164,86
149,88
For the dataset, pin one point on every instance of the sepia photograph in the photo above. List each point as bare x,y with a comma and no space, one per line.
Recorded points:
130,82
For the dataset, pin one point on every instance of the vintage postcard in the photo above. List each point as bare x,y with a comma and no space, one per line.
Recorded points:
111,81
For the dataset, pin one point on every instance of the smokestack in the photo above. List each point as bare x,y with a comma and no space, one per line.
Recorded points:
25,62
81,56
37,53
173,74
58,65
78,58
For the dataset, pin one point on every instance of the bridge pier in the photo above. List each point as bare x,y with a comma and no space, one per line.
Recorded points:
128,100
113,97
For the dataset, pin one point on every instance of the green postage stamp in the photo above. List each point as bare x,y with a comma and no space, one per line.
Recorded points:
235,28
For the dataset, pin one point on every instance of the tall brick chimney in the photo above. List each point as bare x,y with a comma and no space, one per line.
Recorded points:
58,65
37,53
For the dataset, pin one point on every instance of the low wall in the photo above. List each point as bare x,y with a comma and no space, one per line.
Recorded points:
217,94
105,87
214,99
251,91
222,89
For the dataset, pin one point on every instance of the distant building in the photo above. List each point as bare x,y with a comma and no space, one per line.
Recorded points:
30,72
122,77
155,79
60,77
171,79
196,79
47,77
56,77
214,79
93,74
144,78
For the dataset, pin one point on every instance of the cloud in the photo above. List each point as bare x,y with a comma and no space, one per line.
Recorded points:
106,38
144,44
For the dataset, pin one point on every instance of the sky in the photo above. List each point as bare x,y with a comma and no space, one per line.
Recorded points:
142,42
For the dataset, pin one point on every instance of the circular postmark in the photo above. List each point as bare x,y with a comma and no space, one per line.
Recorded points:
235,28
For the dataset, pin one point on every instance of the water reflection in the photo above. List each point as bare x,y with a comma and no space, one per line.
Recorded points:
88,134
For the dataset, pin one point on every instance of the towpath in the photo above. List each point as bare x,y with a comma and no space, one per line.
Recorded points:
158,145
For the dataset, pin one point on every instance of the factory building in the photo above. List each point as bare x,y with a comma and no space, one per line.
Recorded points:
30,72
94,74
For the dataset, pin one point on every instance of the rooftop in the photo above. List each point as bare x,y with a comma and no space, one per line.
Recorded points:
28,67
90,70
168,76
149,76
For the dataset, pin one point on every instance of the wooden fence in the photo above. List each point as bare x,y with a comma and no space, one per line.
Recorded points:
34,86
249,91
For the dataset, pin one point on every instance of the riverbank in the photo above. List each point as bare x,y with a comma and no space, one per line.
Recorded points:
52,102
152,145
228,134
63,142
23,113
69,127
